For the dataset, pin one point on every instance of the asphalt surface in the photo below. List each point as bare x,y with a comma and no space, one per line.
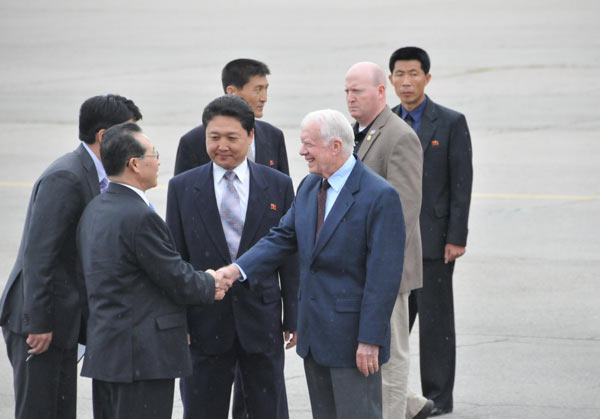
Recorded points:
525,73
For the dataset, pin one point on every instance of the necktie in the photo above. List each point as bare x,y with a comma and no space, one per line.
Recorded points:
103,185
231,215
321,201
151,206
409,120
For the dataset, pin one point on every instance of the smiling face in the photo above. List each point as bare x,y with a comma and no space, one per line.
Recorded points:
227,141
409,81
322,158
254,92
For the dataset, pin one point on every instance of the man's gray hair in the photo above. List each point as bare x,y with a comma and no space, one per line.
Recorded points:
333,125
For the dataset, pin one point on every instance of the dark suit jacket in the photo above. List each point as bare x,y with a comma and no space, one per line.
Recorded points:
349,277
137,287
193,217
447,178
41,293
268,141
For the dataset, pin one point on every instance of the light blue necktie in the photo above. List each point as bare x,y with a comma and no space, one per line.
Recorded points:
231,215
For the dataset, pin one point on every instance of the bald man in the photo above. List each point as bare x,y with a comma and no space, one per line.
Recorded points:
389,146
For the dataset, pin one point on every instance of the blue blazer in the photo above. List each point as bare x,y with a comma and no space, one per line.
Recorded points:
268,140
255,318
349,277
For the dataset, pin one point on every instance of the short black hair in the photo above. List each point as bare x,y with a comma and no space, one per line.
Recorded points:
102,112
238,72
230,105
411,53
118,146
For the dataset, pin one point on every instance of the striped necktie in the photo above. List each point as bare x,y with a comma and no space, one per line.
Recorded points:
231,215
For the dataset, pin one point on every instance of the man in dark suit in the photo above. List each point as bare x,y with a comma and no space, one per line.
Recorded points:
248,79
137,287
388,146
41,308
346,225
246,327
447,181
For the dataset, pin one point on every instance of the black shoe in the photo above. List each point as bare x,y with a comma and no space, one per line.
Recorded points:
426,411
438,411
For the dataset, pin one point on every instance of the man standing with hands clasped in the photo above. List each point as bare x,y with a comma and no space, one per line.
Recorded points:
346,225
137,288
447,181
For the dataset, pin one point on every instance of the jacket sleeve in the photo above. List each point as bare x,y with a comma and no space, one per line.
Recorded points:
283,159
289,276
385,257
157,256
55,212
460,167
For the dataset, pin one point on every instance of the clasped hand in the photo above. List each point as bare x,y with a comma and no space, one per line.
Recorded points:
224,279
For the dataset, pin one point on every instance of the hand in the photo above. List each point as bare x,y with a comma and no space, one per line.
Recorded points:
226,276
219,292
39,343
453,251
290,342
367,358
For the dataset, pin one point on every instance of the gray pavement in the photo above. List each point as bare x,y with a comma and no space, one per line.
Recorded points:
524,72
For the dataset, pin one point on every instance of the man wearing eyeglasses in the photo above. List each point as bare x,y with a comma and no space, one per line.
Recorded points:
41,313
137,287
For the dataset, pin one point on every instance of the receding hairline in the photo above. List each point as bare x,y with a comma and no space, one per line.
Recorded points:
367,68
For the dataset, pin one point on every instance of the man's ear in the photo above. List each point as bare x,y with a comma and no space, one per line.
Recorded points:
98,136
231,90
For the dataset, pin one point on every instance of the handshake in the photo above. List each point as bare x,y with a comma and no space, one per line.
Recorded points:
224,279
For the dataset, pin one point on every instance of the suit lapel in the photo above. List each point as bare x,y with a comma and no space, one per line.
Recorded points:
257,206
206,205
342,205
373,133
428,125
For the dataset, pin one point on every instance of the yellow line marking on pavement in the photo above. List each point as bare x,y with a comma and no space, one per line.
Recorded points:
534,196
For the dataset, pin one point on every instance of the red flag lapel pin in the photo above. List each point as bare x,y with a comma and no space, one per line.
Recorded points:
273,207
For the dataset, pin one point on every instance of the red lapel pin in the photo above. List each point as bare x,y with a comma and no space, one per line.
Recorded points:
435,143
271,163
274,207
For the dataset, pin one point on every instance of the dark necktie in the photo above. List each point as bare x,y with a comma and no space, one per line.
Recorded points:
321,201
409,120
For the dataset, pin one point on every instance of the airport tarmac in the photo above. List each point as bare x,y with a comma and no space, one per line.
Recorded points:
525,73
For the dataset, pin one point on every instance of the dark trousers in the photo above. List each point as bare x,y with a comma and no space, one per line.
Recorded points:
147,399
207,392
238,403
342,393
45,387
434,303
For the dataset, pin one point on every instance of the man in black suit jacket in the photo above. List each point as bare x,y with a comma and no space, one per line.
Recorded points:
137,287
447,181
248,79
246,327
41,308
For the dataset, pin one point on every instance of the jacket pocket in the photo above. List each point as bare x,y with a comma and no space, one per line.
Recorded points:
169,321
347,305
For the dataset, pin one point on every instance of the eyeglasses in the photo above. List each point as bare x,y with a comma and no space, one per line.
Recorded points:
149,155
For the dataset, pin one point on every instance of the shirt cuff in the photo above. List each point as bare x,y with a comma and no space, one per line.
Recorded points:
244,276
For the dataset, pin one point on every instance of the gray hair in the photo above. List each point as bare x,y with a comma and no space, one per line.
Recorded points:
333,125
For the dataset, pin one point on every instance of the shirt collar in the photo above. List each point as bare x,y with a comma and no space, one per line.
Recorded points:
416,113
97,163
137,191
338,179
242,171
